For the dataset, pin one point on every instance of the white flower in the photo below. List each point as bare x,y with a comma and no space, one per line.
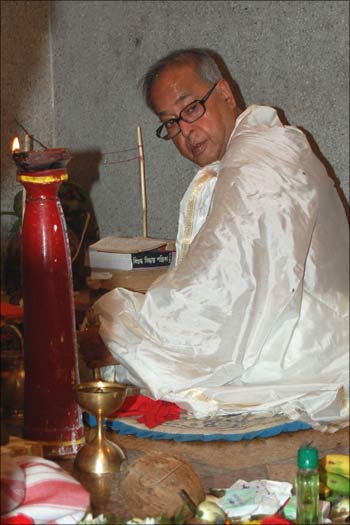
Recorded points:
89,519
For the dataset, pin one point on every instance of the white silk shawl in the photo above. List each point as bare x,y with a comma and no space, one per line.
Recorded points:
255,314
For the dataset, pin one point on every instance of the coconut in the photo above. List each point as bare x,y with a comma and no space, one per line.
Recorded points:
152,485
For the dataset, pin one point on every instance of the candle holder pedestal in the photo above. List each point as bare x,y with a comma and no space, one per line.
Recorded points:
100,398
51,413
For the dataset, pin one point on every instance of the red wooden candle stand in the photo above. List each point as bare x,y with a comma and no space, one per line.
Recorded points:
51,412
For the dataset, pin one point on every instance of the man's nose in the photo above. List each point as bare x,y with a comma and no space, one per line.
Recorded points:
186,127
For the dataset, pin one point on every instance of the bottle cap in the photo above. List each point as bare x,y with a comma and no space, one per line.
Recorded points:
307,457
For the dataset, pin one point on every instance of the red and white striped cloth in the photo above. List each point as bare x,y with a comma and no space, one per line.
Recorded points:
13,486
52,495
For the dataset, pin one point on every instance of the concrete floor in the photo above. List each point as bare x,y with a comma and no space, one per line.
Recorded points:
219,464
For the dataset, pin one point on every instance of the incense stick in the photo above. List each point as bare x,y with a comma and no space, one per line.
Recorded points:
142,181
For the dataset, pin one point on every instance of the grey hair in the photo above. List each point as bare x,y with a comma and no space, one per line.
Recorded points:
203,61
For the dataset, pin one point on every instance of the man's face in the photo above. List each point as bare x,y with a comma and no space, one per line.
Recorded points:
205,140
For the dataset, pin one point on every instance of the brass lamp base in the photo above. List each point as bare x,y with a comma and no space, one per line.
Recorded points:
101,398
100,458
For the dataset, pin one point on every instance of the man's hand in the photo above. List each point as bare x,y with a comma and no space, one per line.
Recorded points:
93,349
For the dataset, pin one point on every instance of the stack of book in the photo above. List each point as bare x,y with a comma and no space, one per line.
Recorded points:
129,262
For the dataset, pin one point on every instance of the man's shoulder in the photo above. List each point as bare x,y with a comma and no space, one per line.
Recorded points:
261,128
263,152
256,114
261,118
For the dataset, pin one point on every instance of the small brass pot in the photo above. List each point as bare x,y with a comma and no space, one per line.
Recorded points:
12,373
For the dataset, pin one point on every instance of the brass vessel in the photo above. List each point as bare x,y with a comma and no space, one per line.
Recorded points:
101,398
12,372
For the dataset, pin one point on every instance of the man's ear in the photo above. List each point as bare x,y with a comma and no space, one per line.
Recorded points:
224,90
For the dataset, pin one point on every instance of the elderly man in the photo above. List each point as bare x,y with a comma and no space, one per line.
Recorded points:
254,316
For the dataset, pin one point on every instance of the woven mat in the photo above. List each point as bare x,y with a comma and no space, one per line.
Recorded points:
224,428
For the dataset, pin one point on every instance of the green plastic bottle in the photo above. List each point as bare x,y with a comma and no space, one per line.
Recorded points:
307,487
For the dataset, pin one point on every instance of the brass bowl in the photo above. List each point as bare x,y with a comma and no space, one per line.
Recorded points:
101,396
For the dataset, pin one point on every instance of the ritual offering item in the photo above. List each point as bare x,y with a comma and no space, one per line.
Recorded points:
47,159
101,398
209,512
51,412
12,372
307,486
152,486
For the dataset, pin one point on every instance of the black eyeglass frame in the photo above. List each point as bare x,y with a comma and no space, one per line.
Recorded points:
177,119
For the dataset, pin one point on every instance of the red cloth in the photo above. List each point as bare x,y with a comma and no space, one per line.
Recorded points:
151,412
275,520
19,519
11,311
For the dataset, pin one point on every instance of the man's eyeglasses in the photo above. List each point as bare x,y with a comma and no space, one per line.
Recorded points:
194,111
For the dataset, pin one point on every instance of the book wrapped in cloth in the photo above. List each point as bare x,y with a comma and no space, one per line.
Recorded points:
134,280
133,263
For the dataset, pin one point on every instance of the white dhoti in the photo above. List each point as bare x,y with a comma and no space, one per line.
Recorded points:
255,314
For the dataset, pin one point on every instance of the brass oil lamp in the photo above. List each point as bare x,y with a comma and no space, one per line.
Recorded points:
101,398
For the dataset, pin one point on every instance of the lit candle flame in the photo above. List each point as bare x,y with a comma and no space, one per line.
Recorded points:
99,388
15,145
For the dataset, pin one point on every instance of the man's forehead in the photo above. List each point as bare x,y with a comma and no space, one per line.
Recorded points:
174,87
184,97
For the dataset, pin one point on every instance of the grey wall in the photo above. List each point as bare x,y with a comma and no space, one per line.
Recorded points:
289,54
293,55
26,94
